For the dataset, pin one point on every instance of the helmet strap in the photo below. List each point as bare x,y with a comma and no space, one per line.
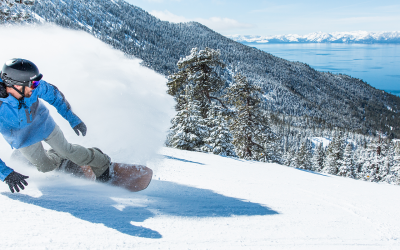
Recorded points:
19,92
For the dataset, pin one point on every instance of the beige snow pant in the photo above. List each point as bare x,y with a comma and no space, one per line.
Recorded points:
61,149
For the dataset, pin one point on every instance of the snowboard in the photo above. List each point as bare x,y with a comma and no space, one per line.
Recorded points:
129,176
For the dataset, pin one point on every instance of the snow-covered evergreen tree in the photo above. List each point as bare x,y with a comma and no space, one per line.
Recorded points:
347,166
188,126
385,169
387,158
200,70
394,172
369,170
318,158
220,139
289,158
334,155
303,156
250,127
373,160
358,160
273,147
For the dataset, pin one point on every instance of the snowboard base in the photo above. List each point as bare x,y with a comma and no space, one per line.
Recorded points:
129,176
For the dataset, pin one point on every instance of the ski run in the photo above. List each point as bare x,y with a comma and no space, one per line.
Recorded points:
203,201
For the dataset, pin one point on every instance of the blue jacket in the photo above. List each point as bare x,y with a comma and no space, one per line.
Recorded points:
25,123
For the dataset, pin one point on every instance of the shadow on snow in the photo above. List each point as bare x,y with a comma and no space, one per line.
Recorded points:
161,198
179,159
312,172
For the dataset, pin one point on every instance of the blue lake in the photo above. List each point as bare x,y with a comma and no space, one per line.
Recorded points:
376,64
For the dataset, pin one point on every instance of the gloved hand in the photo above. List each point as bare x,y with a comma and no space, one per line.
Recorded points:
15,180
80,127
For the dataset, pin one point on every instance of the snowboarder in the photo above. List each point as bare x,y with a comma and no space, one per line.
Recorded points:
25,122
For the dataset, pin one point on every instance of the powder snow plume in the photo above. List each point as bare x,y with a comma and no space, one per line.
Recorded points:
123,104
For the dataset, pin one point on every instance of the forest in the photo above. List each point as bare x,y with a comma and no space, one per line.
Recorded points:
232,122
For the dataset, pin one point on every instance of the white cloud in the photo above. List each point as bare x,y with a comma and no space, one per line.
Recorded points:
215,23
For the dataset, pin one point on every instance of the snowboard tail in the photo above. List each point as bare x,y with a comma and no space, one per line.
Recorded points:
129,176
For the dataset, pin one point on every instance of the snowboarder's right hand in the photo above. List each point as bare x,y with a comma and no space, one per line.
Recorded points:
15,181
80,127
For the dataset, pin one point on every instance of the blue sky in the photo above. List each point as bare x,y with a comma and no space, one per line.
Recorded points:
274,17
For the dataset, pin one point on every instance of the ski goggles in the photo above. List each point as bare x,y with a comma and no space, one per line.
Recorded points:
33,84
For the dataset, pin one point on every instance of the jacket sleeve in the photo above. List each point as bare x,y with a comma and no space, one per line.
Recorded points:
4,170
52,95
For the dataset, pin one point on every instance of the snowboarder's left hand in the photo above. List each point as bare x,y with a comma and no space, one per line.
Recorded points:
15,181
80,127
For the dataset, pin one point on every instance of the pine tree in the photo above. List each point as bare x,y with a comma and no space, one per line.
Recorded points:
347,166
369,169
200,70
273,147
334,155
385,169
289,158
250,127
388,153
373,161
219,141
394,172
358,161
318,158
188,127
303,156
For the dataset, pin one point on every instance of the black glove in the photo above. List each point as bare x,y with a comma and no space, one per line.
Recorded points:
80,127
15,180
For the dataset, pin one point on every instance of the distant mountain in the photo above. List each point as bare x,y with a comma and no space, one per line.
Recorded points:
292,89
320,37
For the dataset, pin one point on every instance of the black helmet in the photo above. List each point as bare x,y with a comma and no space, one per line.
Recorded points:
19,71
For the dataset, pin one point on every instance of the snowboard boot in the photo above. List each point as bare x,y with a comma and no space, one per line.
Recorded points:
106,176
68,166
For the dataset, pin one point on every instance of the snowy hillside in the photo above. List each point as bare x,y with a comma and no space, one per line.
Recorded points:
203,201
196,200
321,37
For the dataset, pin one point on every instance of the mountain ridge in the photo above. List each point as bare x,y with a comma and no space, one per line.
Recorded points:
322,37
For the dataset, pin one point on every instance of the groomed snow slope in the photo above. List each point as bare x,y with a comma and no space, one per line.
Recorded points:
203,201
196,200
